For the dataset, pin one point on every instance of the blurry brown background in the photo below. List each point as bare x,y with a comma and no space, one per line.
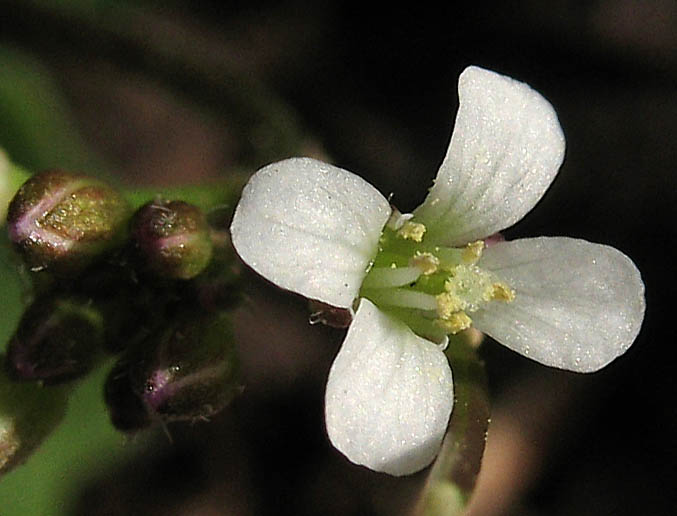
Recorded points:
165,92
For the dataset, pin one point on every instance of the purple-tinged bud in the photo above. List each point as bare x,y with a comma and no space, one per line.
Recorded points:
191,371
57,340
61,222
28,414
173,238
127,412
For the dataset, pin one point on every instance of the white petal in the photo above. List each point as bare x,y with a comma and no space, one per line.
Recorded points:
389,395
578,305
310,227
505,151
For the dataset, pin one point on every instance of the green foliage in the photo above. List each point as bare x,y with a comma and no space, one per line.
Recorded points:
37,130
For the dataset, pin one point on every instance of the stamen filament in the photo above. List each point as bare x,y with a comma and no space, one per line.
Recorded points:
388,277
402,298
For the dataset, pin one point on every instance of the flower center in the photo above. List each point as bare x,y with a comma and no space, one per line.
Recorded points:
431,288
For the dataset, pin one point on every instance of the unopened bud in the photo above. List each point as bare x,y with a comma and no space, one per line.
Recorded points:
173,238
127,412
28,414
57,340
61,222
190,371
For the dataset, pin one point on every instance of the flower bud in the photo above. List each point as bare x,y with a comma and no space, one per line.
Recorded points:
130,309
57,340
28,414
127,411
188,372
61,222
173,238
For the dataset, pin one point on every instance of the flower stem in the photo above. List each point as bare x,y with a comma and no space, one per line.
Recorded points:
221,194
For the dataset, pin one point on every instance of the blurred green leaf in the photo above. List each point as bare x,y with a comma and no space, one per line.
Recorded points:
266,128
37,130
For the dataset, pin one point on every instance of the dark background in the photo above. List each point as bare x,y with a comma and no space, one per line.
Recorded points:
157,90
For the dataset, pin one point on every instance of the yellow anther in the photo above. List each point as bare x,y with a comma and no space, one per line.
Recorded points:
472,252
502,292
469,288
427,262
458,321
448,303
412,231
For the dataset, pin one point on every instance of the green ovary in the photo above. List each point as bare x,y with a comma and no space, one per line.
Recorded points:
429,287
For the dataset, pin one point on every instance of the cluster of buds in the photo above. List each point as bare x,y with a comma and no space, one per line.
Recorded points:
110,279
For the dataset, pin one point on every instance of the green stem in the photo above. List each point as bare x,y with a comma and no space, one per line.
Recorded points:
220,194
453,475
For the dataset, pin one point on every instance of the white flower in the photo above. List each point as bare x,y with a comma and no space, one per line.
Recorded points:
323,232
